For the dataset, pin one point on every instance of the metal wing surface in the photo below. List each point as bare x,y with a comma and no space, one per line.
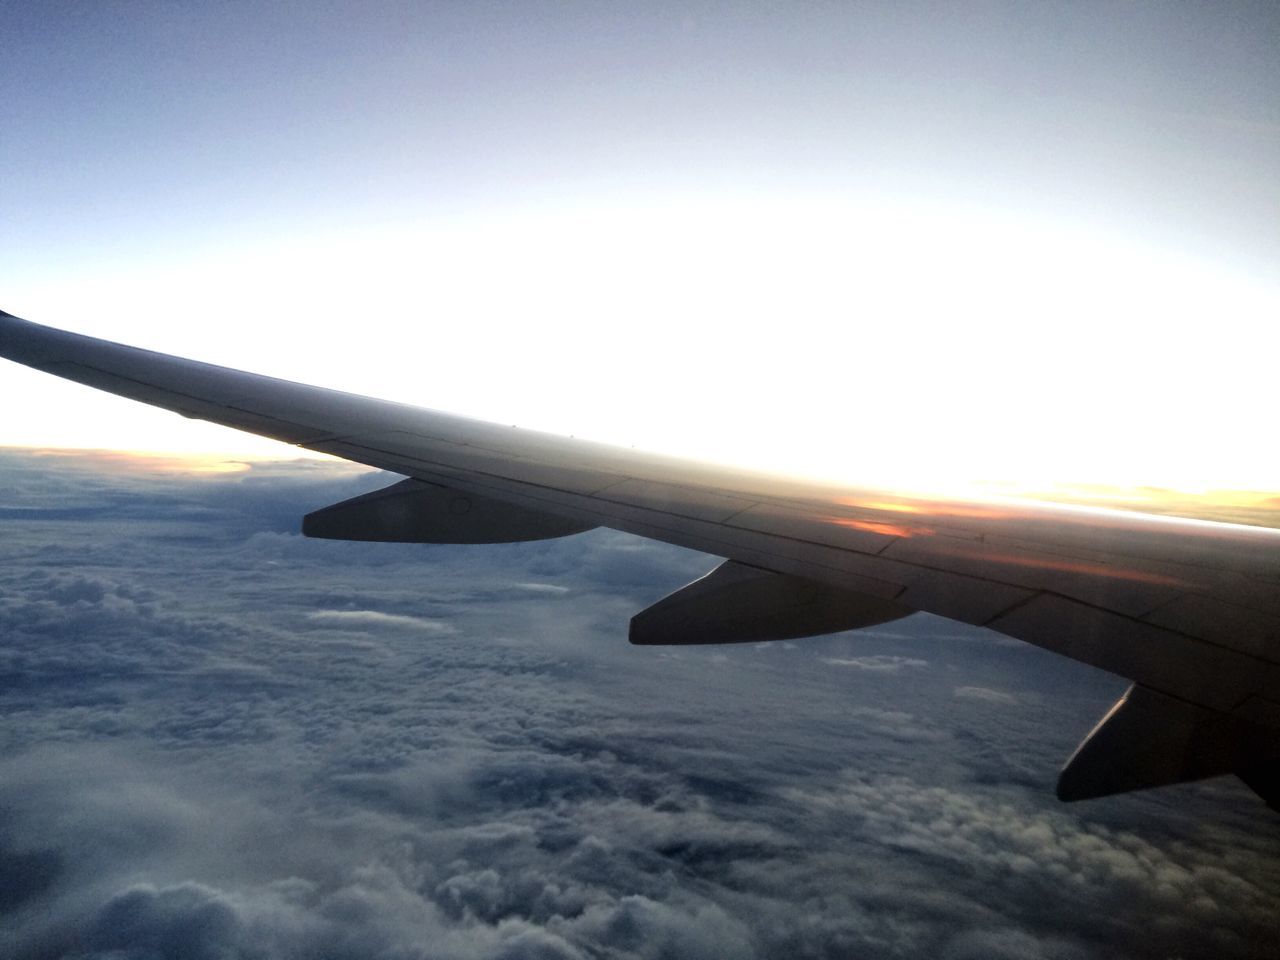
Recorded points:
1188,610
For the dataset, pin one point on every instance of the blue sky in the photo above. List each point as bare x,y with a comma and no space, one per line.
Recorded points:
914,221
192,121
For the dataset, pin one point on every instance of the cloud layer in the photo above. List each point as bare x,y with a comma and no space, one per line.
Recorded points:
222,740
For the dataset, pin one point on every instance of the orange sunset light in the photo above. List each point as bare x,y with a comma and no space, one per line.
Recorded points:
138,461
1251,507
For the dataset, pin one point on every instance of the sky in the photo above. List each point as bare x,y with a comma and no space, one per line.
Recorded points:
1024,242
222,741
864,240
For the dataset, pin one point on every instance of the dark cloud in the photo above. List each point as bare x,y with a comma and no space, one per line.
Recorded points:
223,740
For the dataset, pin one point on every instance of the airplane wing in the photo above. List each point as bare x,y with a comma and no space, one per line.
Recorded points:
1188,610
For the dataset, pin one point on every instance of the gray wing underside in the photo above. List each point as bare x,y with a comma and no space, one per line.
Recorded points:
1187,610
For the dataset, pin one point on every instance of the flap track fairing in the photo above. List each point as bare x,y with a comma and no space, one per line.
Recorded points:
414,511
1149,739
737,603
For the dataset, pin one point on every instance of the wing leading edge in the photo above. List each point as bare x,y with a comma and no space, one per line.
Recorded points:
1188,610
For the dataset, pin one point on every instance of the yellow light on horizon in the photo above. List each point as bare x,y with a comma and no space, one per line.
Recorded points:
143,461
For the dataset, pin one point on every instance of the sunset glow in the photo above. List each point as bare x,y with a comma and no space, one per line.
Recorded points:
876,526
138,462
985,499
921,283
783,308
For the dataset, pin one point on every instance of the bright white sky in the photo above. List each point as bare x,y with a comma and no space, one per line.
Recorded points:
856,242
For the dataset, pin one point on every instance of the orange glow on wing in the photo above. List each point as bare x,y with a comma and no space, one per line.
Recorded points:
931,508
883,505
1064,565
875,526
971,550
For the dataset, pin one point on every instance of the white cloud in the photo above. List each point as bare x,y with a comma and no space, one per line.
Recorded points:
182,756
985,693
879,663
375,618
